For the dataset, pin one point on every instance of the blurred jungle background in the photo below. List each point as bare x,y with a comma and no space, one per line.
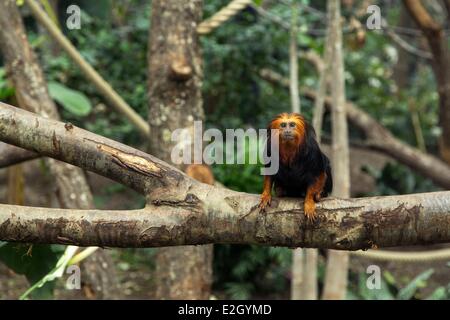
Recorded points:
246,65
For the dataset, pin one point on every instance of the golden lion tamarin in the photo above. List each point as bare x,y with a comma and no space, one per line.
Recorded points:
304,171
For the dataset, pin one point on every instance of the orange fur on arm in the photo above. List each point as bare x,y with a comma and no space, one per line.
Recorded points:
266,195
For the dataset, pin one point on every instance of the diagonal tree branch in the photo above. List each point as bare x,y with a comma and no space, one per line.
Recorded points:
100,84
438,43
182,211
73,145
379,138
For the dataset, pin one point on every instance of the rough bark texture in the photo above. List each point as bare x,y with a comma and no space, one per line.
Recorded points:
438,43
32,94
337,264
205,214
175,73
186,212
63,141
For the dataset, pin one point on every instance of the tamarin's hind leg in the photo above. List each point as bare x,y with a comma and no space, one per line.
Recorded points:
313,195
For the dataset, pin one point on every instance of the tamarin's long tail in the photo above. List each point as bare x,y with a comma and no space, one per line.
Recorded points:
200,172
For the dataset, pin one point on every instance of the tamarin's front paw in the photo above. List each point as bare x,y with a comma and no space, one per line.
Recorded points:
266,200
310,210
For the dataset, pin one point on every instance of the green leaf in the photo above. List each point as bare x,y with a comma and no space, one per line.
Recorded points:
418,282
5,90
238,290
56,272
439,294
34,263
73,101
389,277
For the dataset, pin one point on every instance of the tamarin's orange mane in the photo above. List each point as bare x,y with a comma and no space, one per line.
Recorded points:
288,149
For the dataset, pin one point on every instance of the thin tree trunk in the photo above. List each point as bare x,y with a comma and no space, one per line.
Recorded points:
175,74
310,287
319,102
337,264
438,43
293,61
32,94
297,255
297,286
405,65
15,194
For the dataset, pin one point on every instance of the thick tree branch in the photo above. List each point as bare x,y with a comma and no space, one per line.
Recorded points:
379,138
214,215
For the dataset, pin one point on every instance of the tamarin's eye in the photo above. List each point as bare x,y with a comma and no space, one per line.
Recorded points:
292,124
283,125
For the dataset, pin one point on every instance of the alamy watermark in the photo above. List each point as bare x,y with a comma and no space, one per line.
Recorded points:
232,149
73,21
374,20
373,281
73,282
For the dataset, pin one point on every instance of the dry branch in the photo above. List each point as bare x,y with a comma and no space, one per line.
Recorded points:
63,141
213,215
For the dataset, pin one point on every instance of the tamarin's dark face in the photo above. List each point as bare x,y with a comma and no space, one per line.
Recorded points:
291,128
